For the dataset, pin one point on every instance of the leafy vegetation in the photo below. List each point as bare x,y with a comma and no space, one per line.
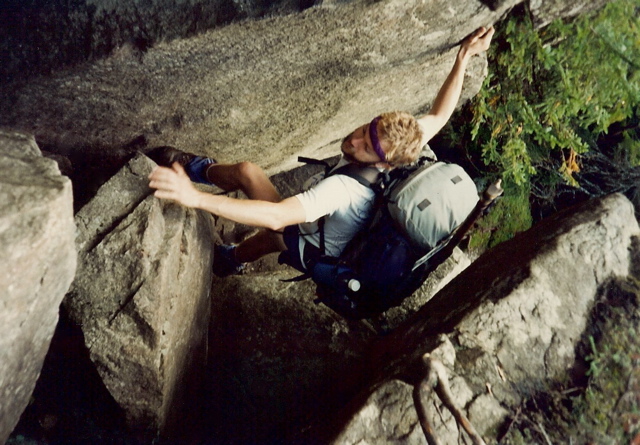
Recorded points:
550,95
545,87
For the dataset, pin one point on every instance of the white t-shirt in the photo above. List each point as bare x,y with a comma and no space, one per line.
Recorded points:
346,204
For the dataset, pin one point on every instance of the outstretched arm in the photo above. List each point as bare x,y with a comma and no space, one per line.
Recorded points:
447,99
174,184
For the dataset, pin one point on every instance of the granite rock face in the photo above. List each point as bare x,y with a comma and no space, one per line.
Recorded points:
141,295
506,327
266,90
37,265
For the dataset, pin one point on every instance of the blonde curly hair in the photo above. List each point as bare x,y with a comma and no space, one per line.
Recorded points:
404,136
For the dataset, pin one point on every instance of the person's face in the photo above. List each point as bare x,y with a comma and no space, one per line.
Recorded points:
357,147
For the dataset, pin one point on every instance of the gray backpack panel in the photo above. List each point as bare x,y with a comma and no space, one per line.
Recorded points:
432,202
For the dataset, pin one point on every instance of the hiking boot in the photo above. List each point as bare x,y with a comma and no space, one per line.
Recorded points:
195,166
224,261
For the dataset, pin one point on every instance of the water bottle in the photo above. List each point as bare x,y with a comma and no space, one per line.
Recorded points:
336,276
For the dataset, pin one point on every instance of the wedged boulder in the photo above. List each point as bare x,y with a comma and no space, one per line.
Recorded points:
141,295
37,265
512,322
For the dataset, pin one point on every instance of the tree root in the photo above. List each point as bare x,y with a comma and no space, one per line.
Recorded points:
435,378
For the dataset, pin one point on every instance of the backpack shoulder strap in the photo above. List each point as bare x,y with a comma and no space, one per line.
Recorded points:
314,161
367,176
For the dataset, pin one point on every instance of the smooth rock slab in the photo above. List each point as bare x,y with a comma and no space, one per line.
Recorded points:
265,91
141,296
37,265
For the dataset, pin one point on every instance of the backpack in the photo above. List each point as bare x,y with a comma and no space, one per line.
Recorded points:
416,209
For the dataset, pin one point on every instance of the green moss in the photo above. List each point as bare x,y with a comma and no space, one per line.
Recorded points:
510,215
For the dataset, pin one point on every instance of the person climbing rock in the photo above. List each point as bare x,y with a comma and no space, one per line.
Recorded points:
290,225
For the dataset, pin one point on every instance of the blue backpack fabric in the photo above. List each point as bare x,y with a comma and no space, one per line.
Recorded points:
370,276
393,255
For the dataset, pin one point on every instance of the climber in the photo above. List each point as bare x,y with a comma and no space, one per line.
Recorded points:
290,225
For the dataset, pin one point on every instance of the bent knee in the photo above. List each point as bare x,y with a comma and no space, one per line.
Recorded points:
248,170
253,181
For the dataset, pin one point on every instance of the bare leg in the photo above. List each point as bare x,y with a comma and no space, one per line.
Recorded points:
259,245
252,180
245,176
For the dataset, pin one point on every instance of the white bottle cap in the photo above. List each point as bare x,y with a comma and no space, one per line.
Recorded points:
353,285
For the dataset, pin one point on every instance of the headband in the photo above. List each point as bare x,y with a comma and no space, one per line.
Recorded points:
373,133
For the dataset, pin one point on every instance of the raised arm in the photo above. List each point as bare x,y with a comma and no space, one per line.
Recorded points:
174,184
449,94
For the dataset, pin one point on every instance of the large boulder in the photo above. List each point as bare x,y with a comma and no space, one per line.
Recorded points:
141,295
265,90
37,265
505,328
71,33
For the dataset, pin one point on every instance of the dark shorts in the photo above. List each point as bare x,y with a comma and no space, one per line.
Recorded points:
291,256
